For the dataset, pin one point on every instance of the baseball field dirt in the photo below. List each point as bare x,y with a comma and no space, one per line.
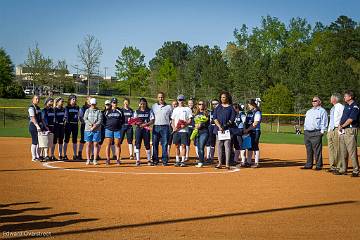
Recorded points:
70,200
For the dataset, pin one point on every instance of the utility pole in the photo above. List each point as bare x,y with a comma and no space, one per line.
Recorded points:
105,68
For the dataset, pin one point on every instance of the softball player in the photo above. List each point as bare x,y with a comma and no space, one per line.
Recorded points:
252,125
59,129
142,132
126,128
210,144
71,125
48,120
113,123
238,132
82,126
34,126
191,126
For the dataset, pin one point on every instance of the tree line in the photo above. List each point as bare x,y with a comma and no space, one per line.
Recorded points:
283,64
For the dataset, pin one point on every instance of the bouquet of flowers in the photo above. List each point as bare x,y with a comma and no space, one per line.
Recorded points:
137,121
198,120
180,124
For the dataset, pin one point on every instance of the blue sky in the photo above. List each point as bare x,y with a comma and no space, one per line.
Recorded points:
58,26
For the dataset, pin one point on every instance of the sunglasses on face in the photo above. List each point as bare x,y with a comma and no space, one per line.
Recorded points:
200,104
314,100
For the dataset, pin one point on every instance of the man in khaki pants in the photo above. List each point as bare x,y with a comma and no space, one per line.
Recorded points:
348,130
333,135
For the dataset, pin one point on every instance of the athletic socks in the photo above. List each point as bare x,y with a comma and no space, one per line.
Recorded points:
196,151
37,151
33,151
177,158
130,149
81,146
74,148
52,150
137,154
65,148
242,154
60,147
182,158
148,155
257,157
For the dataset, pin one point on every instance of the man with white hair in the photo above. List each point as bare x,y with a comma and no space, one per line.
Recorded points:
333,134
316,122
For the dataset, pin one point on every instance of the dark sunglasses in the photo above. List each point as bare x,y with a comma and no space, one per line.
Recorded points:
200,104
315,100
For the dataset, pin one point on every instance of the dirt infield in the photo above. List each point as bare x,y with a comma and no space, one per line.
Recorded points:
276,201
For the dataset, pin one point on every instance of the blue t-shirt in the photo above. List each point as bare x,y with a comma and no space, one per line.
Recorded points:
224,115
351,112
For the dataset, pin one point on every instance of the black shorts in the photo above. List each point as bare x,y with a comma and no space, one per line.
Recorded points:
181,138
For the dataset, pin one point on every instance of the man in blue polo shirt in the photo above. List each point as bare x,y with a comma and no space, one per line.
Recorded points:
348,131
316,122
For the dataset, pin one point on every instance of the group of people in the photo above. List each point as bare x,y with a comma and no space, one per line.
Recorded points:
227,125
342,131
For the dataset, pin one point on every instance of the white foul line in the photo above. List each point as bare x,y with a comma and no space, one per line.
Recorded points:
49,165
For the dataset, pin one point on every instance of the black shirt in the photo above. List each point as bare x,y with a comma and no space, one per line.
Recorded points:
72,114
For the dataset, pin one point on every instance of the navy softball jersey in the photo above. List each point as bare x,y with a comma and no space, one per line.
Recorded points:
114,119
128,113
72,114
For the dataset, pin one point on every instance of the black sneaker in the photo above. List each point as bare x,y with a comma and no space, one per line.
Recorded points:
74,158
53,158
355,174
46,159
340,173
65,158
177,164
60,158
79,156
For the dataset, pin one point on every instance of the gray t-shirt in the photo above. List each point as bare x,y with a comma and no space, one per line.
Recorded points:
162,114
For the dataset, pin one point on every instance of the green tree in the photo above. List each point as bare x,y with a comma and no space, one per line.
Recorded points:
278,99
39,67
6,69
130,67
167,75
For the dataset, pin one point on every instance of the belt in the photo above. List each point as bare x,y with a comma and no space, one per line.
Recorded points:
60,123
316,130
50,125
73,122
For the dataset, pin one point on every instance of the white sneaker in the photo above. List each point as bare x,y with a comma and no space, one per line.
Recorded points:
199,165
87,162
95,162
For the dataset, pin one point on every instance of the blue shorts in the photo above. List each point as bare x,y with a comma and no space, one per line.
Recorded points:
92,136
112,134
